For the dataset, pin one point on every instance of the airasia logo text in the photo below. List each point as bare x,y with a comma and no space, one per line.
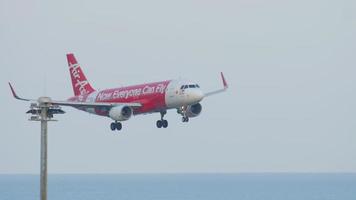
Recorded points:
74,70
127,93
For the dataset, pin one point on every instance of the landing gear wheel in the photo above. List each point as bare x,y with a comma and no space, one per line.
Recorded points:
159,124
113,126
164,123
118,126
185,119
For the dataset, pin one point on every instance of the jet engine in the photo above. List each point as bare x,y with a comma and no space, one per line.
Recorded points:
194,110
120,113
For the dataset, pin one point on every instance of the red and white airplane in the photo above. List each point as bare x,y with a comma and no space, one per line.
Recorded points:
121,103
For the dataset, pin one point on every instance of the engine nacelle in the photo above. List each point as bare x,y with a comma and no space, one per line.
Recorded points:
120,113
194,110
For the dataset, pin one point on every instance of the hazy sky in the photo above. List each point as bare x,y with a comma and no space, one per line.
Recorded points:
290,65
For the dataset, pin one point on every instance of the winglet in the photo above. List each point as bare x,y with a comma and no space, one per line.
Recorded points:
221,90
15,95
13,91
224,81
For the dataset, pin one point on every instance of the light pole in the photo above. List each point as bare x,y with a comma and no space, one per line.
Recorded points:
43,111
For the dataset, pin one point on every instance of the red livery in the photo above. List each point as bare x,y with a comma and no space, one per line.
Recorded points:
121,104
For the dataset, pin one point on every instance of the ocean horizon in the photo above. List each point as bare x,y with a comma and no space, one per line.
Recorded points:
187,186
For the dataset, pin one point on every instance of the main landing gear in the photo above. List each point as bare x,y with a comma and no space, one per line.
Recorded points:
162,123
116,126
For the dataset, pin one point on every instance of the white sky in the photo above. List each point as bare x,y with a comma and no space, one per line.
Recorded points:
290,65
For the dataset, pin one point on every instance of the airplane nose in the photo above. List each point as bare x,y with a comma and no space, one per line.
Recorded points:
197,95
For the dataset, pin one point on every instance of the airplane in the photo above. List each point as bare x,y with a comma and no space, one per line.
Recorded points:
120,104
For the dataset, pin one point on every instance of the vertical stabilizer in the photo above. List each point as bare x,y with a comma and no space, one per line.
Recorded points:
80,83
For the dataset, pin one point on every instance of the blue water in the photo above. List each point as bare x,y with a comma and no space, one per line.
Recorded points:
183,187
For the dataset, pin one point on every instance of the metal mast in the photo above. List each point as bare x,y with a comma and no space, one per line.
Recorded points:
43,111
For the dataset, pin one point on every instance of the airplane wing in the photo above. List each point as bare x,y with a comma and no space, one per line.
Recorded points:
76,104
220,90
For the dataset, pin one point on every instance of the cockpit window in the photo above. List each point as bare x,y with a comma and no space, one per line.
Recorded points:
189,86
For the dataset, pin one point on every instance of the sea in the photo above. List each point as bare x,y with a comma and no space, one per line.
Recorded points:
259,186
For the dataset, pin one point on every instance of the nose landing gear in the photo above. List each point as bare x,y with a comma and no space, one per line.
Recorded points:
185,119
183,112
162,123
116,126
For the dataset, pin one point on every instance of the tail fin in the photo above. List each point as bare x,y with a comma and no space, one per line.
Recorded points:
80,83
